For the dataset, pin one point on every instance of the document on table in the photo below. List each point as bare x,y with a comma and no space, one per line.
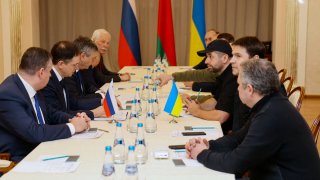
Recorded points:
87,135
53,165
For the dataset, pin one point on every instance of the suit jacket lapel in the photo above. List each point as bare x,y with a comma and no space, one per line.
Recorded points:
59,89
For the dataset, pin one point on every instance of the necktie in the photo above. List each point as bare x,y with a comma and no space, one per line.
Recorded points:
63,85
80,80
38,112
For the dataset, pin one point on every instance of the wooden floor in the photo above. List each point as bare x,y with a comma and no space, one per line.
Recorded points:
310,109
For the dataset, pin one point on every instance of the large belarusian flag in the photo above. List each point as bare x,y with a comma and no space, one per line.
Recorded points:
165,36
129,44
197,32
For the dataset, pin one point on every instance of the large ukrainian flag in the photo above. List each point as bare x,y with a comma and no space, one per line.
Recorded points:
197,32
174,102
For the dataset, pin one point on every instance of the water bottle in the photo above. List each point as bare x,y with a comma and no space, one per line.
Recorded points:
141,150
150,124
118,146
138,101
134,118
131,169
108,167
155,101
145,88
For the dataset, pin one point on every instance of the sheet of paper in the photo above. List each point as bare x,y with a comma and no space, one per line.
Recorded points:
46,167
87,135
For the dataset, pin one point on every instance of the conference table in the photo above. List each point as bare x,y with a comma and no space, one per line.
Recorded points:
91,151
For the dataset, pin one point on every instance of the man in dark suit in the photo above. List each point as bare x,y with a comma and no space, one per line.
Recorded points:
65,58
276,143
102,75
77,85
24,120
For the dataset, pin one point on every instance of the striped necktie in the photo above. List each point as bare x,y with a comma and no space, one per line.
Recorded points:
38,111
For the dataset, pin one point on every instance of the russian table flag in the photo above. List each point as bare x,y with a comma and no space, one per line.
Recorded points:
110,103
129,44
174,103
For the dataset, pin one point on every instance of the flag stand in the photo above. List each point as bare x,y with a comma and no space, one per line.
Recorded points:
173,120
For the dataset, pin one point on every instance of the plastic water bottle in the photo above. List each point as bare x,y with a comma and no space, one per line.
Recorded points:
108,167
155,101
118,146
141,149
134,118
145,88
131,169
150,125
138,101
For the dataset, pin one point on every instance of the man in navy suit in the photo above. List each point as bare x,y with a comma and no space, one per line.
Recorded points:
24,121
65,59
77,84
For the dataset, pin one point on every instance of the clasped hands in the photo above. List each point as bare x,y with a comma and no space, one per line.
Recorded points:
195,146
81,122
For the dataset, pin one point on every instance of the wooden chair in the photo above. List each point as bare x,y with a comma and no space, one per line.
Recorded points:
315,128
288,82
296,96
6,156
282,74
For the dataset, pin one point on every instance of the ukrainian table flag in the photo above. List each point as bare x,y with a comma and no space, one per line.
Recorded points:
109,102
197,32
174,102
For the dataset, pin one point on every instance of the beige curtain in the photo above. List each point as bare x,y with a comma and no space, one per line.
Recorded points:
66,19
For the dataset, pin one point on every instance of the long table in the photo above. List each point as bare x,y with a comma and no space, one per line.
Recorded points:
91,151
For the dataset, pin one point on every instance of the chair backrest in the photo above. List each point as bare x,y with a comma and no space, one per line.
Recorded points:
296,96
288,82
315,128
282,74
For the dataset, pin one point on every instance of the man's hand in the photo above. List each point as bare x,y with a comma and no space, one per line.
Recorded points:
192,106
80,124
125,77
201,144
164,79
192,144
185,96
188,84
83,115
98,112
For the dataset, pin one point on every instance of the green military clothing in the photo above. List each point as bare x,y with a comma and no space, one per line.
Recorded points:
203,75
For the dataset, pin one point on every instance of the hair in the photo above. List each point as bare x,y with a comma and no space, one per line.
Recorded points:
253,46
33,59
96,34
214,30
63,51
226,36
85,45
262,75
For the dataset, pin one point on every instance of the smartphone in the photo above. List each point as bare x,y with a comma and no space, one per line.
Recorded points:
199,133
182,146
72,159
178,162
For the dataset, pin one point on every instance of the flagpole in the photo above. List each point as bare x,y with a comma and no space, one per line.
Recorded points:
173,120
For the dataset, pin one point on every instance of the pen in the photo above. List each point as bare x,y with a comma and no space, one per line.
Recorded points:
53,158
198,94
103,130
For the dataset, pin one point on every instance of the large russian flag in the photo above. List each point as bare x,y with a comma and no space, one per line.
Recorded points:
165,36
110,103
174,103
197,32
129,44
